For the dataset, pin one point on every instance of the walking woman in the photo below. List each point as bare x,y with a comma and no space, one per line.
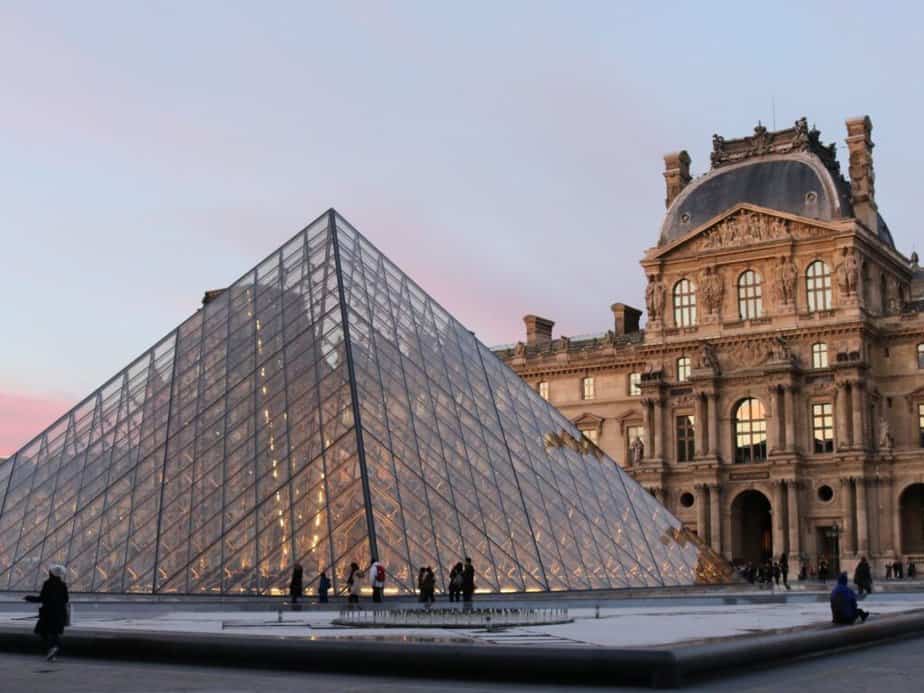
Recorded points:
53,612
353,584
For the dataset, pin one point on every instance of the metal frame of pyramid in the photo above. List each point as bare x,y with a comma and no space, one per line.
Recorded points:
324,410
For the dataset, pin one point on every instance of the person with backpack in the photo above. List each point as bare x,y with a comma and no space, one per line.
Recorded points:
455,582
323,587
53,614
377,577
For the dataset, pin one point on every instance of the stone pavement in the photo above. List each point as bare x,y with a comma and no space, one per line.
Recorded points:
896,666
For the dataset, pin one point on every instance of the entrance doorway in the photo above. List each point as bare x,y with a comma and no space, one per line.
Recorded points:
752,533
911,503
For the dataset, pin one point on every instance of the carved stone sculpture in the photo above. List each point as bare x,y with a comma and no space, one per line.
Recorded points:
785,277
654,297
848,273
637,450
885,435
712,290
709,359
564,344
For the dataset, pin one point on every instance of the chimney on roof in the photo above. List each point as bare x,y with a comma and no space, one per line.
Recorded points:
676,174
862,178
538,330
626,319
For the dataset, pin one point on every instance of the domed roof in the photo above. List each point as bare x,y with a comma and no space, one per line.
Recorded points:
789,171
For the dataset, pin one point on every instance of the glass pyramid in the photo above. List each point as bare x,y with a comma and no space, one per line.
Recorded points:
322,410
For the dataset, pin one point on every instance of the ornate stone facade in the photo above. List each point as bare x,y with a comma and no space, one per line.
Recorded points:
775,400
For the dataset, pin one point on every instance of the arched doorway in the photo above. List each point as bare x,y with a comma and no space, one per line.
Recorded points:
752,533
911,503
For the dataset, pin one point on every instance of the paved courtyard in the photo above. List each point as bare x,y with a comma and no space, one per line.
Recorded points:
620,623
894,667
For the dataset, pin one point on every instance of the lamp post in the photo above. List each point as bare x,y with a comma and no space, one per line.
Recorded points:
834,532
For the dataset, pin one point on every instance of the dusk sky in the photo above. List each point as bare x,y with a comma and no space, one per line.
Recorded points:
507,155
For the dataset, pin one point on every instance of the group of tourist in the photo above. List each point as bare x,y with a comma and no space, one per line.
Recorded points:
461,583
896,571
768,573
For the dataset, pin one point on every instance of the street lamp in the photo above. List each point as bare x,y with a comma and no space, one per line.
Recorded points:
834,532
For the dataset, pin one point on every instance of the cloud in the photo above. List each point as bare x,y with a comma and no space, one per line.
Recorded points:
24,415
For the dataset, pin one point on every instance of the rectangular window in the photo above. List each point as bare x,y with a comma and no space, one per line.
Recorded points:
683,369
587,389
685,439
920,355
921,424
544,390
820,355
593,435
823,427
635,384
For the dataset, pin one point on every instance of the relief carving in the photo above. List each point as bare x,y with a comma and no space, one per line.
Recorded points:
748,227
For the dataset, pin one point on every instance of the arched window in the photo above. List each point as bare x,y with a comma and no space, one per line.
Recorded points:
818,286
684,303
750,431
750,301
820,355
883,294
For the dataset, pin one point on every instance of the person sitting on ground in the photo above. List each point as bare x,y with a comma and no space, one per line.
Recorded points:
844,608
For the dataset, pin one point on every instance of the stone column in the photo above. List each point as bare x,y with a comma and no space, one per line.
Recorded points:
713,414
777,515
792,504
699,424
862,520
858,406
715,518
841,405
896,504
846,540
774,421
658,432
701,513
790,406
649,427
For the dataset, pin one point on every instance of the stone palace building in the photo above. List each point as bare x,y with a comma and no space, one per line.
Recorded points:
775,399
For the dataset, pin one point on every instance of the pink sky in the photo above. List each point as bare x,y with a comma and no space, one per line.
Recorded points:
23,416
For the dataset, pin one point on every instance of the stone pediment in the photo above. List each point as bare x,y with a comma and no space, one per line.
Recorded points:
588,420
743,225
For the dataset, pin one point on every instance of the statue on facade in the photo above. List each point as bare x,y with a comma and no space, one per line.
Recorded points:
885,435
713,290
637,450
519,350
848,273
781,350
786,276
564,343
654,297
708,358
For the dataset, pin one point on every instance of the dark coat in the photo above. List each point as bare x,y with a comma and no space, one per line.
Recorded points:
843,602
863,575
324,584
53,612
468,579
295,586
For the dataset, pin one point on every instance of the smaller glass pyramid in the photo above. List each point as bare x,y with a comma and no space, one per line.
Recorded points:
324,410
